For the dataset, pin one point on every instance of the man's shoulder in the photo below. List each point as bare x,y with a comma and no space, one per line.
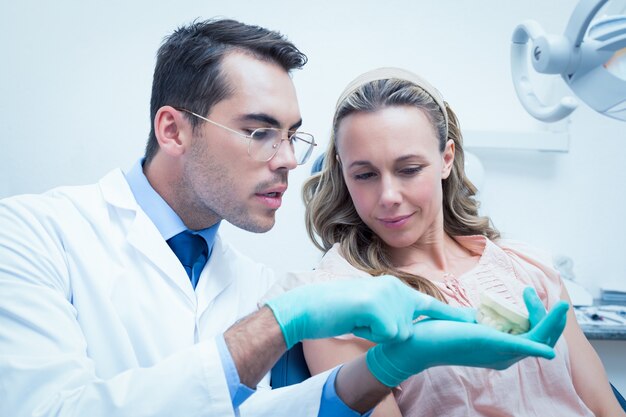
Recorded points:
48,202
56,204
232,254
252,279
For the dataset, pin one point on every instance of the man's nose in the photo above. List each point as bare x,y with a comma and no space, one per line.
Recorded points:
285,156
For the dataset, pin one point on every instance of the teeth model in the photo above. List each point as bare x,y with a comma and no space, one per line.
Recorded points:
502,315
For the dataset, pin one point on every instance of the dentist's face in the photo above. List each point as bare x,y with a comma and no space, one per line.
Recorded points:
222,180
393,169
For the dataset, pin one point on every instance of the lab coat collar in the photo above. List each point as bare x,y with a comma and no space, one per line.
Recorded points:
159,211
156,208
143,234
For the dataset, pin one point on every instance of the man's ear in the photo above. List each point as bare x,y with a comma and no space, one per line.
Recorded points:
448,159
172,130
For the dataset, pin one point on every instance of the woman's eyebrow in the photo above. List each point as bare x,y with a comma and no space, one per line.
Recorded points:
411,156
359,164
402,158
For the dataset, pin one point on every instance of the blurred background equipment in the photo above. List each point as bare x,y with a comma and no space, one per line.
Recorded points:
590,57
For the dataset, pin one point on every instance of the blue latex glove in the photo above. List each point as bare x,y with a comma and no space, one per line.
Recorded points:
441,342
536,313
378,309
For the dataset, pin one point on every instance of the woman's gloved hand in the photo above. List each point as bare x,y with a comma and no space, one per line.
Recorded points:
442,342
379,309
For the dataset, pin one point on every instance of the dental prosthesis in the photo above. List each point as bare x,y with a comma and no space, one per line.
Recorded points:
502,315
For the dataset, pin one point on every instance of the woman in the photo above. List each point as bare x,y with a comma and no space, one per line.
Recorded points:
393,199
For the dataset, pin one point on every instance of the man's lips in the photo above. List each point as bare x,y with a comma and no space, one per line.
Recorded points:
273,192
272,197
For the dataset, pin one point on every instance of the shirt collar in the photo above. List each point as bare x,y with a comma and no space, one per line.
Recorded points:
156,208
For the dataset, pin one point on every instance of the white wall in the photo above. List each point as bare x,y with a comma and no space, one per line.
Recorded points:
75,87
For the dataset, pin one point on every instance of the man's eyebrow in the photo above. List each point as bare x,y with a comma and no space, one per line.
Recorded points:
267,119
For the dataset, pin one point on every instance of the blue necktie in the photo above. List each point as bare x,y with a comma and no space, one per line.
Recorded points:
192,251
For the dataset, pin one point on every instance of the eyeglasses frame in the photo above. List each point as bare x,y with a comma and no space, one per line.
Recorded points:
250,136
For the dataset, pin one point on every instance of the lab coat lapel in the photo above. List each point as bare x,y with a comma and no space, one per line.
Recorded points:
218,274
143,234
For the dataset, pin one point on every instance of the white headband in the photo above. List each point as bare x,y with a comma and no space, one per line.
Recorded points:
399,74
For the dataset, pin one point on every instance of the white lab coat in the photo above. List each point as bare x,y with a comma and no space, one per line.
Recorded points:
98,318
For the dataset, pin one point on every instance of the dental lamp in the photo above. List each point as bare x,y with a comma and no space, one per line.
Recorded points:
590,57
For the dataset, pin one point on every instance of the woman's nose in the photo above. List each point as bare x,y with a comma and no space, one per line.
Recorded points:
390,193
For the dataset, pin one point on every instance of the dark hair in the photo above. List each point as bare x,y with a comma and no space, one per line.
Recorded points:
187,72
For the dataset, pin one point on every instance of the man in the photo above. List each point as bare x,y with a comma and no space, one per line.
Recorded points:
119,298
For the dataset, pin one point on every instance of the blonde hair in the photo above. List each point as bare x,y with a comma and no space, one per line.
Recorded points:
330,214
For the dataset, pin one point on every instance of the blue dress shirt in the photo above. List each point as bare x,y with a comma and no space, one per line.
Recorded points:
169,224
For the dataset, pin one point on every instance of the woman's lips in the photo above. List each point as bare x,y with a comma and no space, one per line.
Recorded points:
395,222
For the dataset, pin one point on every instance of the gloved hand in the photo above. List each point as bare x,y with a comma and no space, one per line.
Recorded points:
441,342
541,330
378,309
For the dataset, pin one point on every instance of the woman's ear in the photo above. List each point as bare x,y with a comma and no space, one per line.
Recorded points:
448,158
173,132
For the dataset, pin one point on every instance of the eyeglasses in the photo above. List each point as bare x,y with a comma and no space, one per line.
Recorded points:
263,143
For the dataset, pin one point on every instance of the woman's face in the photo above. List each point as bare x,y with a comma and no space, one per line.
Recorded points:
393,169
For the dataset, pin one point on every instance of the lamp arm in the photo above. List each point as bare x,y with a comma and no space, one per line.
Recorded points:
582,15
523,33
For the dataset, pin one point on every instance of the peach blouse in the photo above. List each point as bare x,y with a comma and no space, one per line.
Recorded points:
531,387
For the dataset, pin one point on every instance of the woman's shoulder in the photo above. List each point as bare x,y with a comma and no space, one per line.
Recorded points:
533,266
525,252
333,266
